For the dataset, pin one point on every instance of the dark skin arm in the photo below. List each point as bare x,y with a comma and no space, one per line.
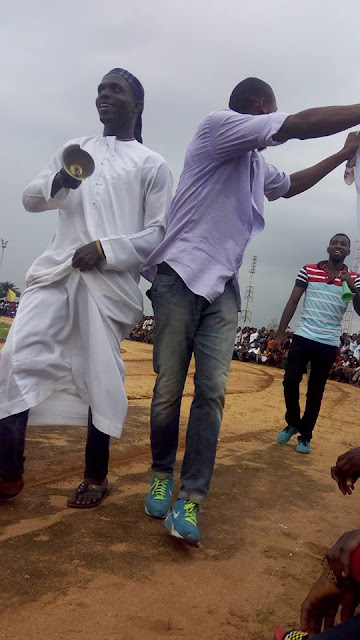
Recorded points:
346,277
318,122
324,599
339,556
307,178
287,316
321,605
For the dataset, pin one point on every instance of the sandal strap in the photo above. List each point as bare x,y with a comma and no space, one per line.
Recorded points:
85,488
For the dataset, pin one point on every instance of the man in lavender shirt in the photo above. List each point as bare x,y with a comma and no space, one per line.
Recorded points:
217,209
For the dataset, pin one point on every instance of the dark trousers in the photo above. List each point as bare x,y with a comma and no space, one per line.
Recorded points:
321,358
12,447
349,630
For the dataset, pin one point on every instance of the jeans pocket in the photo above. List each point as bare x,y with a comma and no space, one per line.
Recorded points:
164,282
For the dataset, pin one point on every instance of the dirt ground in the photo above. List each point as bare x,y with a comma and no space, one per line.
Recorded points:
112,573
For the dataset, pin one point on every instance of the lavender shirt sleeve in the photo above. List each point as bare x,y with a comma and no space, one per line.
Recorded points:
276,184
232,133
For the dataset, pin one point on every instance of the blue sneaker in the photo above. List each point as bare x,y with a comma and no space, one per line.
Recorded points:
182,521
286,434
157,503
303,446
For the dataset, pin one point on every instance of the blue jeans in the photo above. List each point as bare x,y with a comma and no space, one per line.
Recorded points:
187,323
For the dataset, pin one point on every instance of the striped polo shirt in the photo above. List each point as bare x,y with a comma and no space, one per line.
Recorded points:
323,308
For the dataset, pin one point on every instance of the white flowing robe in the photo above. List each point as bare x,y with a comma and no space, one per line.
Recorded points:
67,332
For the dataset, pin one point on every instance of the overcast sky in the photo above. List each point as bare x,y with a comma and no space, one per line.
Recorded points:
189,55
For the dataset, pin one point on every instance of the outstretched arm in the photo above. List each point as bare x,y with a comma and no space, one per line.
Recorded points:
307,178
318,122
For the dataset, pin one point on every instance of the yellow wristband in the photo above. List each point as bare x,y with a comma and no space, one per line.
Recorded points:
100,249
329,574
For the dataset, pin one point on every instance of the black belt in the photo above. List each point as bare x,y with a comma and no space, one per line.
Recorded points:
165,268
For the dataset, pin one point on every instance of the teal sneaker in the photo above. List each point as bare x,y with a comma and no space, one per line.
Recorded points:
182,521
157,503
303,446
286,434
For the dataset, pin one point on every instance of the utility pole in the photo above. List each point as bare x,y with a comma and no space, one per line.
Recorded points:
4,244
249,295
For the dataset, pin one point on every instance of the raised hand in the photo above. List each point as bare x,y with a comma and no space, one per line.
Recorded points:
352,144
63,180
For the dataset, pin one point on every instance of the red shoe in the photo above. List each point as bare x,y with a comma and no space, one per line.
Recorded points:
10,488
282,634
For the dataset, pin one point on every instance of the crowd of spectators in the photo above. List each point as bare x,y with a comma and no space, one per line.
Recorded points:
346,367
8,309
256,345
251,345
144,330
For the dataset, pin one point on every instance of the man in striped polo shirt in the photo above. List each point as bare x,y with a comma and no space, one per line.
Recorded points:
317,336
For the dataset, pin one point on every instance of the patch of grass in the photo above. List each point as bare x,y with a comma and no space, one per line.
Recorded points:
264,612
4,330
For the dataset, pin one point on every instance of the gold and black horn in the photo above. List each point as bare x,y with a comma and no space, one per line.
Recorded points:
77,162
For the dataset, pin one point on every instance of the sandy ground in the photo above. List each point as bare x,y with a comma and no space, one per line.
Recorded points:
113,573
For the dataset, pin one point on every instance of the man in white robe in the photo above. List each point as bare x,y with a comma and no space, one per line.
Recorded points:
82,295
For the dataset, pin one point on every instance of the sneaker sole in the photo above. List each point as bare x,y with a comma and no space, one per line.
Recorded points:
303,453
151,515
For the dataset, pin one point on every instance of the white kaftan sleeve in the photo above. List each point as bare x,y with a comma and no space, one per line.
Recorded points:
232,133
37,196
129,251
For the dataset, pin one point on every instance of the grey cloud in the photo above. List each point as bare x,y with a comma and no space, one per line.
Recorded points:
189,55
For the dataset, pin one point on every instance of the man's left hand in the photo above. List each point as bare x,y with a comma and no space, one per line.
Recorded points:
346,277
339,556
322,603
87,257
351,145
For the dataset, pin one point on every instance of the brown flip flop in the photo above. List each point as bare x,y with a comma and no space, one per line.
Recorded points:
87,488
